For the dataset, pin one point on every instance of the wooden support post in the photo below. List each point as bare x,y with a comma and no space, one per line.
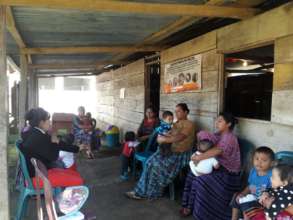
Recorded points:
4,189
32,93
37,90
23,91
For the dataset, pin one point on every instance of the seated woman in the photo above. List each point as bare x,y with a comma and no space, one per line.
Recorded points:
147,126
83,131
208,196
36,143
161,170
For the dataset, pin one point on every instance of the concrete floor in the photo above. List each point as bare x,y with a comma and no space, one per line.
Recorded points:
107,200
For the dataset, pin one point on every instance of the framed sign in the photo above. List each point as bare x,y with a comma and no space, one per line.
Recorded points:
183,75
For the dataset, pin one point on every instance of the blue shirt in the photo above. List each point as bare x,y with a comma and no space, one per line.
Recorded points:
257,184
163,128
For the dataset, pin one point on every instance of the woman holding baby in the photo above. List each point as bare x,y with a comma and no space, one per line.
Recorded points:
208,196
160,169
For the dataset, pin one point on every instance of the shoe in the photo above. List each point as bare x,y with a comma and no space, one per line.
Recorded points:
131,195
185,212
124,177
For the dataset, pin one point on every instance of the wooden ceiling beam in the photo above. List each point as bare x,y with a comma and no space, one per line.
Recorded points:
86,50
95,65
139,8
183,22
167,31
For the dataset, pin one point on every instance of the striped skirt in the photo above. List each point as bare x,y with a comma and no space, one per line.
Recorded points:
159,172
208,196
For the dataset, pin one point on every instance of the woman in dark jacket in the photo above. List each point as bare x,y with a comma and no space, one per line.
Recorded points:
38,144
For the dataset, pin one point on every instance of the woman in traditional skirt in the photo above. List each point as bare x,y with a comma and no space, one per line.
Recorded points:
208,196
161,169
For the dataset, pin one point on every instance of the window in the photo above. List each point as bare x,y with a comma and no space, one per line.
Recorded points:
46,83
80,84
249,83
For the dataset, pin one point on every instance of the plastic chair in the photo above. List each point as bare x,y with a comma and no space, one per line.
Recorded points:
25,186
246,151
145,155
285,157
42,173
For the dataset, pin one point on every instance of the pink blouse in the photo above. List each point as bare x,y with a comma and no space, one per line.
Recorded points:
230,158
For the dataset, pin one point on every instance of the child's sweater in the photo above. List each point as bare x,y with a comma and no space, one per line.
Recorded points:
128,147
164,128
283,198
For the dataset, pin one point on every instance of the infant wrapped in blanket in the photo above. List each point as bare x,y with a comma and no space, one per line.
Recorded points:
206,141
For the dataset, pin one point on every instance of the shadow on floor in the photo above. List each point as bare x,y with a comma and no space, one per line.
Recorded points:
107,200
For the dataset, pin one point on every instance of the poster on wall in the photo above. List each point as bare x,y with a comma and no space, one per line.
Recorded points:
183,75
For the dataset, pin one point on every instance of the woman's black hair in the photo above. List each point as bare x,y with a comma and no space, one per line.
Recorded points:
285,172
184,107
229,118
35,116
129,136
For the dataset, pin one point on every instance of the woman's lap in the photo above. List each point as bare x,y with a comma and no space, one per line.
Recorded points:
62,178
211,194
159,172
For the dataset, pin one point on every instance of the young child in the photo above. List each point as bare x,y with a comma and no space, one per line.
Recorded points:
127,152
278,201
164,129
258,181
84,136
206,141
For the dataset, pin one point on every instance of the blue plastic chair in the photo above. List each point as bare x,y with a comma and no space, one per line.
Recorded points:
246,150
144,156
285,157
25,186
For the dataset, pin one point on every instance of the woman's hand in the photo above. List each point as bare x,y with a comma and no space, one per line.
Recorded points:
196,158
55,139
161,139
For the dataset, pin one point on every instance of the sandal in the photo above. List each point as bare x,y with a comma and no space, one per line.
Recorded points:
131,195
185,212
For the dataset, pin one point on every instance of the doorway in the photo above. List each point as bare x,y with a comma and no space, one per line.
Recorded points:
152,83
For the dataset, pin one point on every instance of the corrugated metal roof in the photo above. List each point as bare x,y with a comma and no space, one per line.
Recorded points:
71,58
55,28
40,27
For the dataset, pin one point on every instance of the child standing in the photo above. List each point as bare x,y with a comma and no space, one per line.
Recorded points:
127,153
278,201
258,181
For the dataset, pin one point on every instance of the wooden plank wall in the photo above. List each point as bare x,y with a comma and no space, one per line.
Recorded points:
203,104
275,26
126,113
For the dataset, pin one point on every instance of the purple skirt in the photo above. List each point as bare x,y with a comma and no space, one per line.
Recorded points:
209,196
